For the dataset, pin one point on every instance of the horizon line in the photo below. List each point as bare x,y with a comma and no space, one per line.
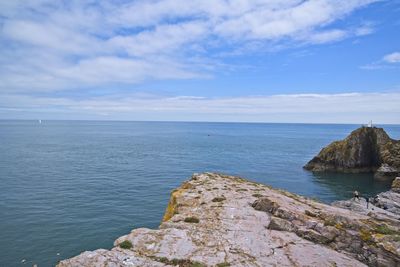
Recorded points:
184,121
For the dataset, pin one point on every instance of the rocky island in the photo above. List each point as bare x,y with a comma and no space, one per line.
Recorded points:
366,149
220,220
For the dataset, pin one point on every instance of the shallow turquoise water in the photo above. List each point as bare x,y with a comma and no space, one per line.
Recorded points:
70,186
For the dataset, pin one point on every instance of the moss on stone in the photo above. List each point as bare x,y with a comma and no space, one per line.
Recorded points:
365,235
385,230
126,244
339,226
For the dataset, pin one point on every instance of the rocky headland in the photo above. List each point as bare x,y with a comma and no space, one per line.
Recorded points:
366,149
219,220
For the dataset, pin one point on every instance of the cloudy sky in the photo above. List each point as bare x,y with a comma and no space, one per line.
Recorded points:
201,60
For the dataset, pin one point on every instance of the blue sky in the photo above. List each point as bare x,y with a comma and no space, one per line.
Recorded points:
201,60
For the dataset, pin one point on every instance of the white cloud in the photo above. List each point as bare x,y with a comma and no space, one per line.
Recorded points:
324,108
55,45
102,70
364,30
327,36
387,62
392,58
48,36
162,40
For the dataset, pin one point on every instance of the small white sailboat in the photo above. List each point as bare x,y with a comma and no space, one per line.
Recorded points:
40,121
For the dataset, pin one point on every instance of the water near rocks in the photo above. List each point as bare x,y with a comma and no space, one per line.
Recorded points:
70,186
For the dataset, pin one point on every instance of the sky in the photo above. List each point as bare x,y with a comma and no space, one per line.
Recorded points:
301,61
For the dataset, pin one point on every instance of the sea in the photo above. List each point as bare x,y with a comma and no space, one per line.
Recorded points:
71,186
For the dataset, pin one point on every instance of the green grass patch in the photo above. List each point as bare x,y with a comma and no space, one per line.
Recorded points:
385,230
126,244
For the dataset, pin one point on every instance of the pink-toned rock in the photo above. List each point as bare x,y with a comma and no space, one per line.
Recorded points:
219,220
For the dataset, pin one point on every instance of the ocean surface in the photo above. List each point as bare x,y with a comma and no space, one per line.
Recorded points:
71,186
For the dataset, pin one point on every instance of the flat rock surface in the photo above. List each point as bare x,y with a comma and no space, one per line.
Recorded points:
219,220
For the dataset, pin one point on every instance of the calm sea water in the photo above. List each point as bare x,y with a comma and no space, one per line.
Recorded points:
70,186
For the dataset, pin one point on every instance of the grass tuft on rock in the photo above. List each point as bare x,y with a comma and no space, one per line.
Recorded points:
192,220
329,222
126,244
223,264
384,229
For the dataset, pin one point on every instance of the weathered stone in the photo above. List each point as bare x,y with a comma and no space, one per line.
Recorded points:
310,213
281,225
264,204
313,236
388,201
327,231
275,230
385,171
367,149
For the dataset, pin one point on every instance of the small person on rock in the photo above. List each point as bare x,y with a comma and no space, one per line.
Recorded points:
367,200
356,195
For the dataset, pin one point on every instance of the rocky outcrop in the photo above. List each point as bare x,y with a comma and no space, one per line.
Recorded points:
367,149
219,220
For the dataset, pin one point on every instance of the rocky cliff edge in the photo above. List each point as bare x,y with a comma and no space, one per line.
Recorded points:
219,220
